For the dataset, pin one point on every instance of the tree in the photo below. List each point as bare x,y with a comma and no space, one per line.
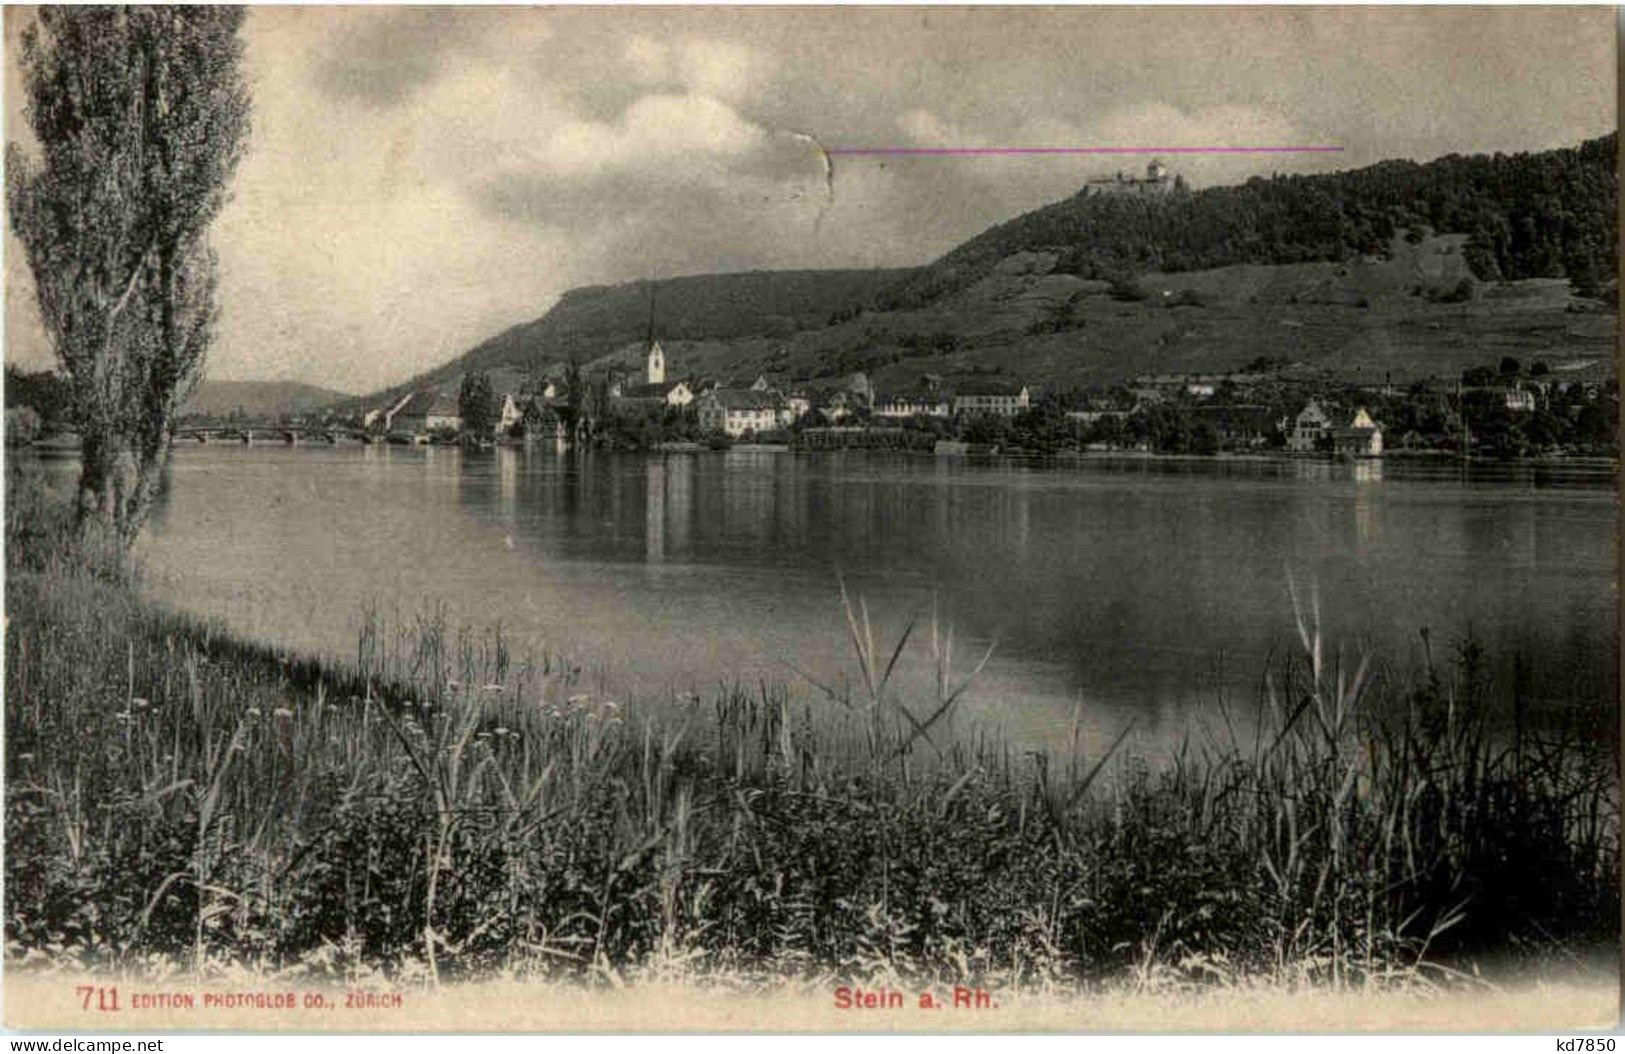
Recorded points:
140,115
477,404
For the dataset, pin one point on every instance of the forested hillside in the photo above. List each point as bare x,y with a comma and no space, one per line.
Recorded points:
1540,215
698,307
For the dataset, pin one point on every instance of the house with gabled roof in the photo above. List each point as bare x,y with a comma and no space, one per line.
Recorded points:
426,411
1311,425
1361,437
382,416
736,411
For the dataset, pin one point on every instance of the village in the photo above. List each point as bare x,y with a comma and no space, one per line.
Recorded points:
1504,410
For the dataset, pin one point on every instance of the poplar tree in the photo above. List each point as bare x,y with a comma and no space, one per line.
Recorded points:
139,118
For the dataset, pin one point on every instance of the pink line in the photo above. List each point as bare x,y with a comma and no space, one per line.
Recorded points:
938,151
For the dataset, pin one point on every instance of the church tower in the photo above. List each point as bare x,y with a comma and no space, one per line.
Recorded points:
657,357
657,363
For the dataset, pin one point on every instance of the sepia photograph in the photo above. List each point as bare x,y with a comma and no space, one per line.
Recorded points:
885,519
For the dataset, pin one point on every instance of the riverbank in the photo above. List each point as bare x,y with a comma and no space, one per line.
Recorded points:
68,443
60,445
440,807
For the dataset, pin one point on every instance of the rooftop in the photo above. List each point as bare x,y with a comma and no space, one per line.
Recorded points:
426,403
986,386
745,399
649,391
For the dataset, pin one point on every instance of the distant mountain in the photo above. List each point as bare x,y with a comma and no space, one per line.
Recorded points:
1401,270
260,398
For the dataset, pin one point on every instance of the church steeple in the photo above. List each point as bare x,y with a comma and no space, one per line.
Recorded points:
657,357
657,363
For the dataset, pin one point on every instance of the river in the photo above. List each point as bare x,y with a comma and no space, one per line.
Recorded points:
1135,588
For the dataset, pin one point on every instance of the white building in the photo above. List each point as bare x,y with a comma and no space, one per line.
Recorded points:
424,412
990,397
918,404
1361,438
510,414
736,412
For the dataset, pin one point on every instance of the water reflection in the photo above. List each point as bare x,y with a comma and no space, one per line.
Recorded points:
1144,588
1313,468
679,501
508,461
654,514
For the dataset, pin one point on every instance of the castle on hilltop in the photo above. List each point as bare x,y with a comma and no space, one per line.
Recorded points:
1156,181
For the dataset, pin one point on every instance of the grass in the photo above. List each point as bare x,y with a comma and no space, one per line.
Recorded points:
178,800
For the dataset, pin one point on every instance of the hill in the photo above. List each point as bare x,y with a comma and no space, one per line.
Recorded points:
1400,270
709,308
1542,215
259,399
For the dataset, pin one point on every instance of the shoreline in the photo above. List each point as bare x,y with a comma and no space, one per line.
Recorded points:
1586,461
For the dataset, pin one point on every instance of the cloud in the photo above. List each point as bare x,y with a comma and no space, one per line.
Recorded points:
678,179
701,65
668,133
717,68
383,57
923,128
647,61
1157,124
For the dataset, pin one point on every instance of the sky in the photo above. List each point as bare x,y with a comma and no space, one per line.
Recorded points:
419,179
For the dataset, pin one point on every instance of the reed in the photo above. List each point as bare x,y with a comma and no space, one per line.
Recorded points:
440,808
